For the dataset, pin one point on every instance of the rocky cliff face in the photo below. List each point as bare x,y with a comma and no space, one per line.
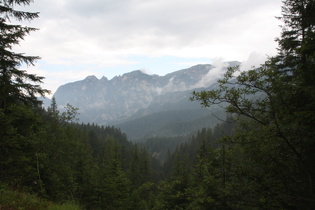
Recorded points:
103,101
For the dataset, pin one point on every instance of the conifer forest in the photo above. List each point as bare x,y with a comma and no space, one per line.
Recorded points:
262,156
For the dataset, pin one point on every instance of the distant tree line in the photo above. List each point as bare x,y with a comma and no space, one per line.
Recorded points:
262,157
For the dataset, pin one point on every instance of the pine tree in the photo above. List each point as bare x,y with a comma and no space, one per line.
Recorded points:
276,103
296,44
18,92
16,85
114,184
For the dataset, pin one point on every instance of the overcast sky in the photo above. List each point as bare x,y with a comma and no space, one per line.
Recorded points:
78,38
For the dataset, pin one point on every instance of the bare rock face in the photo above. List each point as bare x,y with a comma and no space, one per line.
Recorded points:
143,105
104,101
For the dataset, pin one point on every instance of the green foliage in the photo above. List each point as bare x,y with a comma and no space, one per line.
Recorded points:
19,125
195,173
144,196
263,161
71,114
18,98
62,161
10,199
17,86
64,206
275,105
171,123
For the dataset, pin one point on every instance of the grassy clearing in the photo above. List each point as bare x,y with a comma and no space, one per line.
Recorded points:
10,200
65,206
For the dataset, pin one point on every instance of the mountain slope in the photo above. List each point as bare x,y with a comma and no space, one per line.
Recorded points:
102,101
142,104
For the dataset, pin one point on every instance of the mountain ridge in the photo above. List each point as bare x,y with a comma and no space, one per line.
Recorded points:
136,88
136,94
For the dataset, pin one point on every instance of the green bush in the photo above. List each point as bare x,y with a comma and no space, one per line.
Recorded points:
11,199
65,206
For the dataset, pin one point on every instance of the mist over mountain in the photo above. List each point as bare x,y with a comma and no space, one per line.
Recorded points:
142,104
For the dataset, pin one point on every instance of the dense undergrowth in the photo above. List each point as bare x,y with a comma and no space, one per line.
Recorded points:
19,200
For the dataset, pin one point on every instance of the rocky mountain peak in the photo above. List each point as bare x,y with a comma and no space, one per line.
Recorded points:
104,79
102,101
91,78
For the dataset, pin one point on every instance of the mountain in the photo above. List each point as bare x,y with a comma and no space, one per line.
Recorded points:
139,103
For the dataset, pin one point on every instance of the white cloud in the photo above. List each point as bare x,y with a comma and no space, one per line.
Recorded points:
219,68
104,33
253,61
84,28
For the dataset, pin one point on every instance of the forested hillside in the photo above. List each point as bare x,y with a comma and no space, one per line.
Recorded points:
261,157
276,136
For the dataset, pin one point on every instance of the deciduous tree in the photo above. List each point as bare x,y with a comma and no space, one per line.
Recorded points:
277,106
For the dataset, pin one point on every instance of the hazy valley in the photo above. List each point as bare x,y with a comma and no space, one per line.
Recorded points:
143,105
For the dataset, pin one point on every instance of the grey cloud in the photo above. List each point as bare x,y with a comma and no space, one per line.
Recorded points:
148,26
187,21
106,32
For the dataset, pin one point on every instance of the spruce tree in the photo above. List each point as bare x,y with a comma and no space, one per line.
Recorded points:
16,85
18,95
296,44
276,105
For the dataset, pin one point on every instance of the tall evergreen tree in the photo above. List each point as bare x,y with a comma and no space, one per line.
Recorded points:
16,85
18,91
277,104
297,39
114,186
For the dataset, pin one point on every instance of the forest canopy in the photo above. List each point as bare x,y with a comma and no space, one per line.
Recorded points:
262,157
